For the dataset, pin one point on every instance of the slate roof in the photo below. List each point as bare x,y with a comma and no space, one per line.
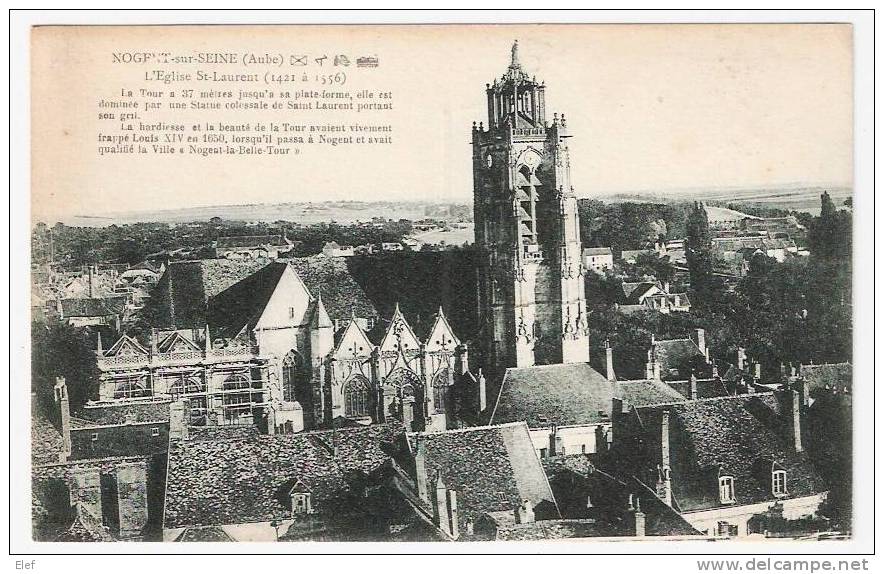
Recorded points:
331,277
46,441
706,388
742,436
555,529
646,392
206,534
835,375
185,296
492,468
633,292
246,241
563,394
673,353
95,307
119,414
245,479
633,253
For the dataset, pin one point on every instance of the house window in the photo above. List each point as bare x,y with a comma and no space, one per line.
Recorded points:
543,453
440,389
369,323
291,312
94,436
301,503
726,489
583,449
155,431
501,497
778,481
727,529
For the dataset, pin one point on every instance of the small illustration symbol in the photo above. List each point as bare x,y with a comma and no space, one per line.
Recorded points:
299,60
367,62
320,60
342,60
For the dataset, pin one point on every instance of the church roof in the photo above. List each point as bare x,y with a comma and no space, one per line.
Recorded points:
226,293
566,394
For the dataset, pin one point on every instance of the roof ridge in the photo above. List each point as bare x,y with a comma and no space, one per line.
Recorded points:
467,429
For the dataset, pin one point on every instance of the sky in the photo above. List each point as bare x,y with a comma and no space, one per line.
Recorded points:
651,108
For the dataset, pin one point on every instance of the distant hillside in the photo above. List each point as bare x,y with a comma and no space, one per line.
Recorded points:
305,213
798,197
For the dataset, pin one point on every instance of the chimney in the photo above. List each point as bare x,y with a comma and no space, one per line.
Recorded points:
420,467
440,509
601,439
664,439
666,287
741,358
132,498
649,364
86,489
553,440
609,362
793,421
700,339
452,514
525,513
638,519
179,420
616,408
693,391
757,371
483,400
91,279
64,407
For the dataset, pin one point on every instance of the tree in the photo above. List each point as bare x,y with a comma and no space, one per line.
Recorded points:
698,251
59,350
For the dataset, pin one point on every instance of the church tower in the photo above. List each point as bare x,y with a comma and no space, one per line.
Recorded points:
532,301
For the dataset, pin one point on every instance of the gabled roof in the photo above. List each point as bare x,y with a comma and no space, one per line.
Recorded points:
399,333
492,468
441,334
118,414
646,392
125,345
633,293
175,342
246,241
341,293
353,341
247,479
243,303
564,394
734,436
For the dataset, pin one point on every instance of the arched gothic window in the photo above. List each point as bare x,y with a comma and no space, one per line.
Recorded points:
186,384
440,390
132,388
357,397
292,375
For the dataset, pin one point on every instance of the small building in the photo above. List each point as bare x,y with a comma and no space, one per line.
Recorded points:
334,249
598,259
391,246
251,247
97,311
631,255
678,359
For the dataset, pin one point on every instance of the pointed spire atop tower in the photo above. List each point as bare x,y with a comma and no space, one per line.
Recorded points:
98,346
208,338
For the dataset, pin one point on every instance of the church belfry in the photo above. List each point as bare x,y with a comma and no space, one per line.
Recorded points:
532,301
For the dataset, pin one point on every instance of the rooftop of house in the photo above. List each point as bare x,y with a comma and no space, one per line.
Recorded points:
246,241
634,291
119,414
645,392
94,307
246,479
492,468
706,388
743,436
597,251
565,394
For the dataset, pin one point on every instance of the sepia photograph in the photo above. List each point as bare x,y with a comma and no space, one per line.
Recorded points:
536,283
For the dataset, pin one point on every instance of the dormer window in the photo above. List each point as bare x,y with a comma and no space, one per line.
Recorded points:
778,482
726,489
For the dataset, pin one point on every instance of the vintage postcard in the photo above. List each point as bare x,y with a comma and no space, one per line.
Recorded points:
545,283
